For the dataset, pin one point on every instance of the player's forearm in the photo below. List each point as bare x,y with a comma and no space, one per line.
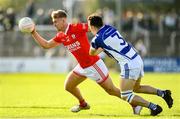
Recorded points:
40,40
93,51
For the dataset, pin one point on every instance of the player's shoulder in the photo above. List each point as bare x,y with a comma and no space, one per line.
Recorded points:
94,39
73,27
60,34
79,24
78,28
104,29
97,38
75,24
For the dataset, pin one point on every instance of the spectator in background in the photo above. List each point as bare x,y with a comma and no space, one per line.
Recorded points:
7,19
1,18
127,21
50,53
81,17
47,17
37,51
147,22
141,48
39,16
108,16
11,19
178,21
30,8
170,21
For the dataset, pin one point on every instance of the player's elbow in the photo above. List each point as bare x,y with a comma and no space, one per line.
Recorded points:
91,52
45,47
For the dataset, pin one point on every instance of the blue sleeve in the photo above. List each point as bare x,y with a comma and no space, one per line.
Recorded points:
94,43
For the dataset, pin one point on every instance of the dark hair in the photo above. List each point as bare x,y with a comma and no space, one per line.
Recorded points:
59,14
96,21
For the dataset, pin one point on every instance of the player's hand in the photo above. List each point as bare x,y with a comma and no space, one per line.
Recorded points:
34,30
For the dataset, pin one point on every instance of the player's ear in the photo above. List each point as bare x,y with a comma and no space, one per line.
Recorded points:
64,19
92,27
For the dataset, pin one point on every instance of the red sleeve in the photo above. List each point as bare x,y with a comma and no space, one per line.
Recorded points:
80,27
59,36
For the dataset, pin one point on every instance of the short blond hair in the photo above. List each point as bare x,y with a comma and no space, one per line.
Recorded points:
58,14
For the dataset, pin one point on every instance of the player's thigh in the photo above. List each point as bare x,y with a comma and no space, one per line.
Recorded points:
137,84
97,72
127,84
73,80
130,78
107,84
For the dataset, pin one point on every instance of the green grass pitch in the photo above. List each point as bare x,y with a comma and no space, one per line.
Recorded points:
43,96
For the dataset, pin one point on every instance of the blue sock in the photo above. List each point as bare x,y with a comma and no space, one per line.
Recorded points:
160,93
152,106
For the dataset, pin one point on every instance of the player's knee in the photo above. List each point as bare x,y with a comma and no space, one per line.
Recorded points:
67,87
127,95
136,88
110,91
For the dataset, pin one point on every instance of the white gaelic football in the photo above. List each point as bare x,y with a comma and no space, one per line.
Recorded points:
26,25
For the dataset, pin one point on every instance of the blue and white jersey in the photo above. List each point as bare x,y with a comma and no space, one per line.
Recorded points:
114,45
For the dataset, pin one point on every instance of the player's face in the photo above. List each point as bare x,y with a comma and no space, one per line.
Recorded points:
59,23
91,28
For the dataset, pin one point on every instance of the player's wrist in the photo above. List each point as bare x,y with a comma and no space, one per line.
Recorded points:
33,31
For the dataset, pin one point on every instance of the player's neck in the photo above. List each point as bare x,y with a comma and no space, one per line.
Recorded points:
65,27
96,30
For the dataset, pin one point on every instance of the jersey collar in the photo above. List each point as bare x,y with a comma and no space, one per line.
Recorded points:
67,28
101,29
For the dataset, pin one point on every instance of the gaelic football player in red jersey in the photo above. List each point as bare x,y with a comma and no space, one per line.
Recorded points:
74,38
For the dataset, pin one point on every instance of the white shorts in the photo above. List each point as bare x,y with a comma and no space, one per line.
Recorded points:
97,72
133,69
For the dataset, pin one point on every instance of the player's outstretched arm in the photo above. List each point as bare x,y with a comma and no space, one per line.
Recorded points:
27,25
43,42
94,51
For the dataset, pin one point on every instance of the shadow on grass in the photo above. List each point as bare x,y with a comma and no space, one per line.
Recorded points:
121,115
35,107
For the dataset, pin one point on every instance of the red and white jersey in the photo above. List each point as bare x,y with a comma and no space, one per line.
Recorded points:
76,41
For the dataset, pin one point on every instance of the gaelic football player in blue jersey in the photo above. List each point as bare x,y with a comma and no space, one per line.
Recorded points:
109,40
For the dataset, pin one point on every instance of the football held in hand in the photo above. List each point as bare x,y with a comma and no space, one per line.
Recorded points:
26,25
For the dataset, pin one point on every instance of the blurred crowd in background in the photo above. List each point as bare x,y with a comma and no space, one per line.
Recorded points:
8,17
150,21
141,28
